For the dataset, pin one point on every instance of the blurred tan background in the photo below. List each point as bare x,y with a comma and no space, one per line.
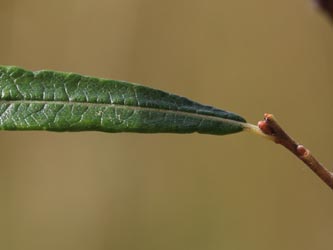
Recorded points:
101,191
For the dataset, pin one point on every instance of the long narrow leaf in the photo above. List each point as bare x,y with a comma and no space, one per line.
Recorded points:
55,101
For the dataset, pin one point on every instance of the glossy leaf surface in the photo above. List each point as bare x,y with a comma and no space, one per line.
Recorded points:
55,101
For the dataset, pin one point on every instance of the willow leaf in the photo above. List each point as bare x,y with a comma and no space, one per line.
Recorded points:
56,101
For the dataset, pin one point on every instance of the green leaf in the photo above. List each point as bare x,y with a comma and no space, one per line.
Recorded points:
55,101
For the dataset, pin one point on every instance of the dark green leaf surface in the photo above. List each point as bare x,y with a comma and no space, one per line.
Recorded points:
55,101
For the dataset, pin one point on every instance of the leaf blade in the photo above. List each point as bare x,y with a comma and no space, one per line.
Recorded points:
56,101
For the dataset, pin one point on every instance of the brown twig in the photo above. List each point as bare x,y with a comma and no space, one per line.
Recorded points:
270,127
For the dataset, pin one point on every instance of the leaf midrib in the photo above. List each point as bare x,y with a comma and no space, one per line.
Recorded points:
134,108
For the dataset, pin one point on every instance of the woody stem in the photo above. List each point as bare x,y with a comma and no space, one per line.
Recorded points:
269,126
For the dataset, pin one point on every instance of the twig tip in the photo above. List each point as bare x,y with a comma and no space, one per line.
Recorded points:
264,126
